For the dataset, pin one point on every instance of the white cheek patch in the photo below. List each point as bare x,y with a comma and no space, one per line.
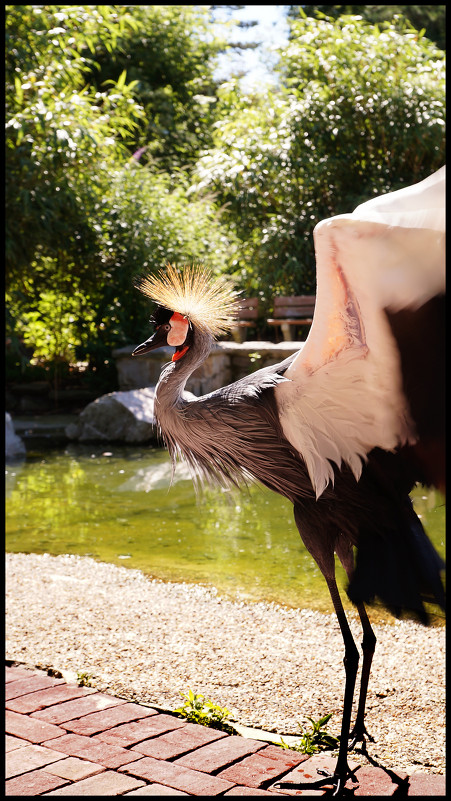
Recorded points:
179,329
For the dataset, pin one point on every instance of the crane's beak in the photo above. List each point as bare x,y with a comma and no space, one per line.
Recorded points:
157,340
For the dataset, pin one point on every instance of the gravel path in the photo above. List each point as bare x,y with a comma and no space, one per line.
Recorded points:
270,666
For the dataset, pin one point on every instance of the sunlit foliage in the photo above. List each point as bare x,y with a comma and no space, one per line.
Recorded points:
361,112
430,19
86,213
122,153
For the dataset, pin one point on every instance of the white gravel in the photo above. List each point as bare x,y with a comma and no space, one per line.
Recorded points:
270,666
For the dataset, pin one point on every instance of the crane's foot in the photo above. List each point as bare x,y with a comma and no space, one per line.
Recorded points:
335,782
359,734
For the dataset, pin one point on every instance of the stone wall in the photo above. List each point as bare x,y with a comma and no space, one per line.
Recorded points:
227,362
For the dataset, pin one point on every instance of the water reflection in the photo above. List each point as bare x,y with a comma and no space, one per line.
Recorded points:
158,476
117,505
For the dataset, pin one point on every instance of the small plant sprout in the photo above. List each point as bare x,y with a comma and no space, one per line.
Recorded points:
84,679
315,740
198,709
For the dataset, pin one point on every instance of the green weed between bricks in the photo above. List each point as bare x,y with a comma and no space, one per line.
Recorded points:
315,740
198,709
84,679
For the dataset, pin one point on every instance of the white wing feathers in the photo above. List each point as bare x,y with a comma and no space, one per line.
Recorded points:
344,395
419,206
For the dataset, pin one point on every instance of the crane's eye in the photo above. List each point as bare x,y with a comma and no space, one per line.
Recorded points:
165,327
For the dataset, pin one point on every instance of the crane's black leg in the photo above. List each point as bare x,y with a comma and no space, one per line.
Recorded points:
359,732
322,544
351,663
345,554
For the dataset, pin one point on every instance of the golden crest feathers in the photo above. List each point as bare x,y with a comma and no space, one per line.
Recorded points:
209,302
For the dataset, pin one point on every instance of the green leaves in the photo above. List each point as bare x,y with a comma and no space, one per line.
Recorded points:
168,59
198,709
62,136
123,154
315,740
360,112
51,328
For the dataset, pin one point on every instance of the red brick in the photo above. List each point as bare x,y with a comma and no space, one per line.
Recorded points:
178,777
375,781
110,756
276,752
14,673
108,718
219,754
74,769
12,743
31,758
178,742
257,769
108,783
131,733
35,731
156,789
29,685
34,783
70,710
427,784
44,698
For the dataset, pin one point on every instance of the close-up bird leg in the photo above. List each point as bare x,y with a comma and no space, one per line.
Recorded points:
322,549
342,771
359,732
351,664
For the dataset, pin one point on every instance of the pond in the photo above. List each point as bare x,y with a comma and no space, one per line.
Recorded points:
116,505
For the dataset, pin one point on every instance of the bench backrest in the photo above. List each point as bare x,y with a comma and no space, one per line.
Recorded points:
248,309
294,305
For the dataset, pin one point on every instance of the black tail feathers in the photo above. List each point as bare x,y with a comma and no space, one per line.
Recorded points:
398,565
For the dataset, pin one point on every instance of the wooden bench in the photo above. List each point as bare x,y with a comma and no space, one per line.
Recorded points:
292,310
247,318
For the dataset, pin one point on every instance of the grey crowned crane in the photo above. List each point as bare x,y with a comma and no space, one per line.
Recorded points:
343,428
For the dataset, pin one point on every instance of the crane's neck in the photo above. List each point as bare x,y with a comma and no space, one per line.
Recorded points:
173,378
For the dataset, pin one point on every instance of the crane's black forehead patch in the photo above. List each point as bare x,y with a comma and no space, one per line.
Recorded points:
161,315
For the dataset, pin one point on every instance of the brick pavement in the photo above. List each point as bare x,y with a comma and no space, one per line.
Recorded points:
62,739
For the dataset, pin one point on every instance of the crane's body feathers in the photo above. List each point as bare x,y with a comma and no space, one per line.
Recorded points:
342,428
311,427
347,395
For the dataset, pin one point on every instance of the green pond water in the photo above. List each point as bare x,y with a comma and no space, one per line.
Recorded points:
115,505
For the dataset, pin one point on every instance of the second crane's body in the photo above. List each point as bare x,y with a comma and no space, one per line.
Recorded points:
345,427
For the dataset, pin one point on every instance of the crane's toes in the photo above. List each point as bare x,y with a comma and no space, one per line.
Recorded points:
359,734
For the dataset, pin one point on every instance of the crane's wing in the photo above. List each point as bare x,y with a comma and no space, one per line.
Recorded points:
344,395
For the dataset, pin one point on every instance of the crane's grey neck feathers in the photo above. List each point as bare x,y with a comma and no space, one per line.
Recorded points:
231,436
173,377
